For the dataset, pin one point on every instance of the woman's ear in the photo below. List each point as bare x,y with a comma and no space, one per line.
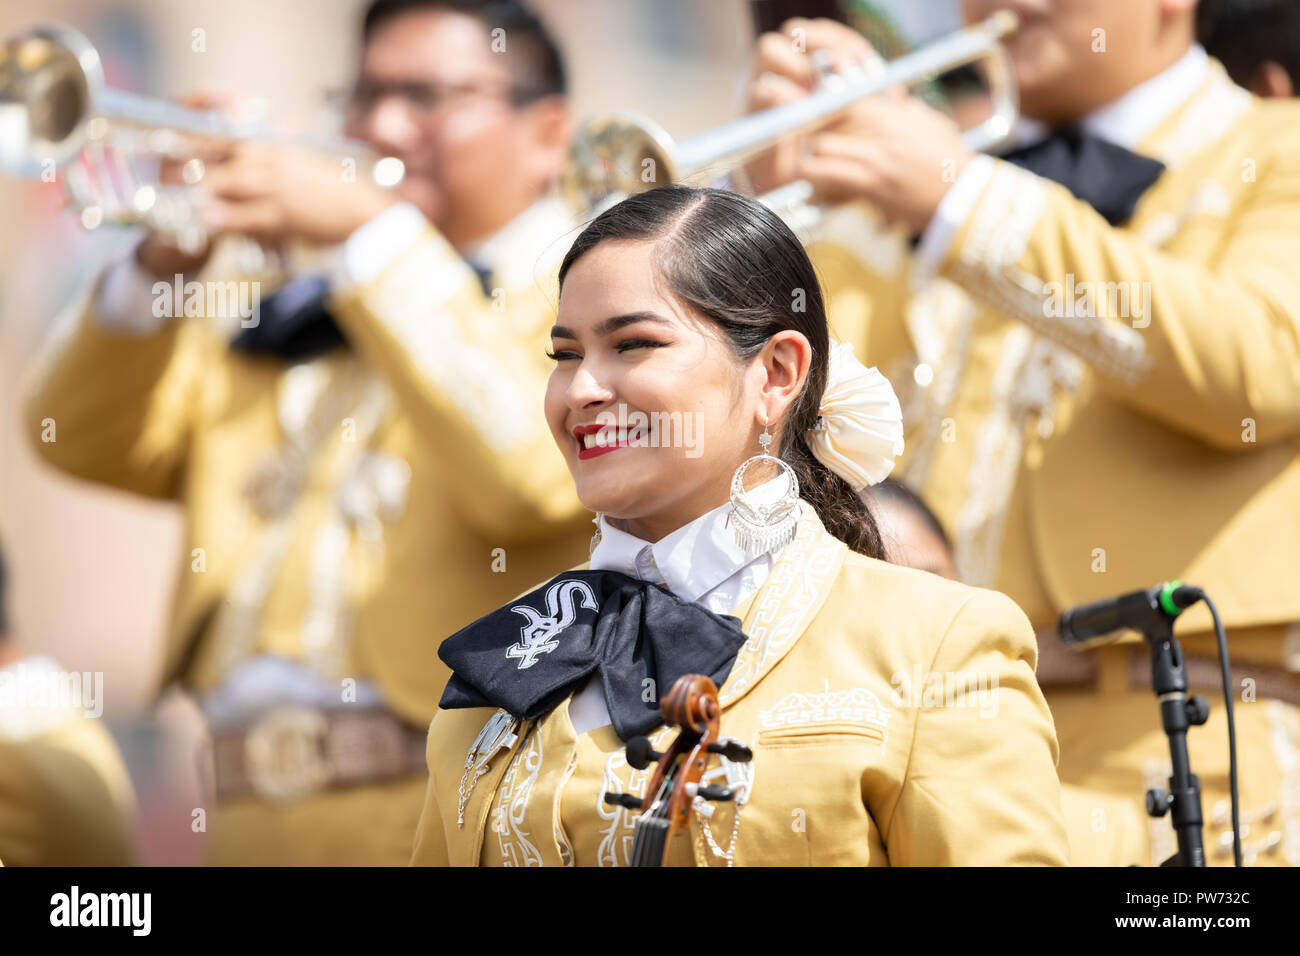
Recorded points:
785,362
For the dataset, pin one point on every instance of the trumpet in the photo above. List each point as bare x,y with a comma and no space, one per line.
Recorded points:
617,155
60,120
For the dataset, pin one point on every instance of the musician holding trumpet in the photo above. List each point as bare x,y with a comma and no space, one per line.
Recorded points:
366,465
1097,338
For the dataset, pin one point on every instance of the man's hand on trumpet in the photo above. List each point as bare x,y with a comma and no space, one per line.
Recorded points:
274,192
270,191
892,150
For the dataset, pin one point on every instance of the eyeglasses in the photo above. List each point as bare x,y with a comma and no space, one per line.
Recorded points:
422,99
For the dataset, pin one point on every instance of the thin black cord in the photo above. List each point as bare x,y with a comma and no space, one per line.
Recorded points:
1232,724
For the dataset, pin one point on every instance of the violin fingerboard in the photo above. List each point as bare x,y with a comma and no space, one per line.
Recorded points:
648,842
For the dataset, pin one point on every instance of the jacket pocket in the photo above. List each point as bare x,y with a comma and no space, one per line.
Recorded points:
826,733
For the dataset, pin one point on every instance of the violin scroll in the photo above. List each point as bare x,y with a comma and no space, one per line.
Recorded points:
691,705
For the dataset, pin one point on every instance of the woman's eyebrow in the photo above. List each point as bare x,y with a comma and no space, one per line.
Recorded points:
612,324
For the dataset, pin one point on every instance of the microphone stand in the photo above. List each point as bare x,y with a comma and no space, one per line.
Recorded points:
1177,712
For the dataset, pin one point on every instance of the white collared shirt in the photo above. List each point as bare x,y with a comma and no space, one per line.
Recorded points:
699,562
1124,121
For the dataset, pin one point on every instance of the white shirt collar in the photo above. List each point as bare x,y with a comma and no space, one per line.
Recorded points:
514,254
1126,121
693,560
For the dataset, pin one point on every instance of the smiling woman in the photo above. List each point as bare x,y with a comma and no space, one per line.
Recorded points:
701,304
681,301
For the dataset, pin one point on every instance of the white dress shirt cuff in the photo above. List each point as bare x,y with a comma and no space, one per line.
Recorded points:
955,207
124,302
376,245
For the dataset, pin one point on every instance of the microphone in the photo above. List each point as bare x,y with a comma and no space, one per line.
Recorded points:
1140,610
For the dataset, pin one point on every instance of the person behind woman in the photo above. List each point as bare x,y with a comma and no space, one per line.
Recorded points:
893,715
914,535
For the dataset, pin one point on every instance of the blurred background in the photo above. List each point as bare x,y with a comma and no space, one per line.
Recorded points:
92,570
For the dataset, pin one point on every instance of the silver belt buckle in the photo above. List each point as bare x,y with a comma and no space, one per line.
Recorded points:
283,754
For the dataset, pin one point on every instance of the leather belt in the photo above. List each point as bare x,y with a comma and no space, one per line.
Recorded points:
291,752
1204,676
1060,667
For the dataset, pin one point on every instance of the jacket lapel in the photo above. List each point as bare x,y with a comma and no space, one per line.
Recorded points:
1200,120
465,842
789,599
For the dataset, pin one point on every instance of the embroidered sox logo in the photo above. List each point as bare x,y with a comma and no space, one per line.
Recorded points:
537,636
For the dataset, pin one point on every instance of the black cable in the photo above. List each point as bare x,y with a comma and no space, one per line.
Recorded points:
1225,671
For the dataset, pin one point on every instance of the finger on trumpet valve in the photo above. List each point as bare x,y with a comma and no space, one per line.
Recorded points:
823,62
165,142
868,65
192,172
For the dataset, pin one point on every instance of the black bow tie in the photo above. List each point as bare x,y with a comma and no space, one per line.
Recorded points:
528,656
294,323
1108,177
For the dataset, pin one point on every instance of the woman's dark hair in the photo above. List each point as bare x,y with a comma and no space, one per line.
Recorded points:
735,261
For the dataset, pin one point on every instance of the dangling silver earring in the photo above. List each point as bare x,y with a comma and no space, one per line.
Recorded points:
595,538
761,527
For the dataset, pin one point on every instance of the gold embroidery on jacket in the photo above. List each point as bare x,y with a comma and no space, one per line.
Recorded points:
987,267
856,705
511,811
414,305
1031,373
941,322
1284,731
314,398
1207,118
615,847
786,602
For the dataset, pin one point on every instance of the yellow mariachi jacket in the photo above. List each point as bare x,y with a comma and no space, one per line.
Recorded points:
65,796
893,716
347,510
1094,409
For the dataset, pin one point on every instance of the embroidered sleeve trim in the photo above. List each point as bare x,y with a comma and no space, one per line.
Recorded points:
986,265
413,301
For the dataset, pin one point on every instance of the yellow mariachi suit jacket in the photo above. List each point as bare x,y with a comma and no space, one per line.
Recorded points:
1093,410
65,795
893,716
344,511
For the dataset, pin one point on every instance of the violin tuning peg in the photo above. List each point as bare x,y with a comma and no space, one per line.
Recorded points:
640,754
626,800
733,750
715,793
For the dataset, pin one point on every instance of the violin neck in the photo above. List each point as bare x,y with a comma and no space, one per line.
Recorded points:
650,838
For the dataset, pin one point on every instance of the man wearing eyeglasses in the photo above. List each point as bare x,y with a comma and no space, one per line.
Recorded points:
364,467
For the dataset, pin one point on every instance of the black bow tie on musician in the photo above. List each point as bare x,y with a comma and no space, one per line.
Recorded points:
528,656
295,323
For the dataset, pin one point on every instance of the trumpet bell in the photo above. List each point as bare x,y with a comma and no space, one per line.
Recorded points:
60,121
617,155
49,76
623,154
